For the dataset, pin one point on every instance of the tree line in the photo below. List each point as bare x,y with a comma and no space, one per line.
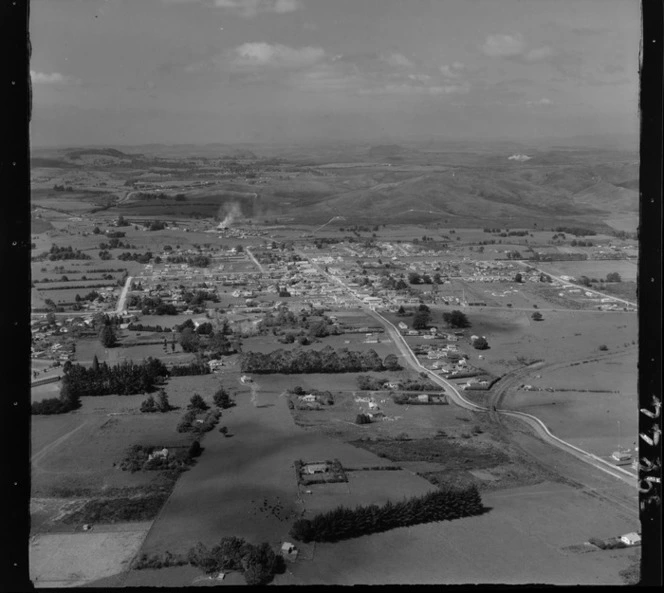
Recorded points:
344,523
327,360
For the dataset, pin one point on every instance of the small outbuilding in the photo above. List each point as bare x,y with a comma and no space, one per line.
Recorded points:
631,539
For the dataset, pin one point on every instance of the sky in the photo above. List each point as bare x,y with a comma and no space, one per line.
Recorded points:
131,72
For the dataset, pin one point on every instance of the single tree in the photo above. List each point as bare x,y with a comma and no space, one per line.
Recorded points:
107,336
163,405
197,403
480,343
222,399
149,405
420,320
536,316
391,362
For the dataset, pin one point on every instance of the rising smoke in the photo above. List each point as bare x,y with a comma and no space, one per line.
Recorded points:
229,211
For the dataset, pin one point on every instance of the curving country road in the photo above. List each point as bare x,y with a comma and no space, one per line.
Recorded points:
539,426
453,393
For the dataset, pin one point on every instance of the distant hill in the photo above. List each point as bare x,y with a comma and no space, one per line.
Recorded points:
241,155
52,163
386,150
108,152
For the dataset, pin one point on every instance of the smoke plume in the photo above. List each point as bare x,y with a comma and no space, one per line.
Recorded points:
230,211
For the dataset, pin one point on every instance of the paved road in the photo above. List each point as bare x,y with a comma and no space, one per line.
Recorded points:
453,393
123,296
601,294
539,427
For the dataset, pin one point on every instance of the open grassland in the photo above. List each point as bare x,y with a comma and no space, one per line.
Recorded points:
245,485
75,559
76,455
538,522
560,337
593,269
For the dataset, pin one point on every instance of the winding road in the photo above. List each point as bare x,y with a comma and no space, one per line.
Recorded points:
540,428
453,393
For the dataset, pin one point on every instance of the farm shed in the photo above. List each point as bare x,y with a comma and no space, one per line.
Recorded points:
631,539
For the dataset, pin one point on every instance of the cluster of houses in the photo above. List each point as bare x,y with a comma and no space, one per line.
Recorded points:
51,341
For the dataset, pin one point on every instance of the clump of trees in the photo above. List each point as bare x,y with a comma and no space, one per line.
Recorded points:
197,367
161,404
66,252
222,399
456,319
197,403
125,378
344,523
138,458
258,563
67,402
363,419
369,383
190,421
537,316
327,360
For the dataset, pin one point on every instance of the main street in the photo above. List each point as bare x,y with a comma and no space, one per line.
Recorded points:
253,259
123,296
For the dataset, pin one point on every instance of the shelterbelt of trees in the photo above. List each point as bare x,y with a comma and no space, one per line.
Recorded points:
327,360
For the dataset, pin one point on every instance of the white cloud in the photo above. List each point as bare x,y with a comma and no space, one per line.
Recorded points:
250,8
52,78
419,77
449,71
542,101
412,89
265,54
458,65
540,53
504,46
398,61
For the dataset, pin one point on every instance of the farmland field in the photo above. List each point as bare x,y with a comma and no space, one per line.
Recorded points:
536,552
600,422
593,269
